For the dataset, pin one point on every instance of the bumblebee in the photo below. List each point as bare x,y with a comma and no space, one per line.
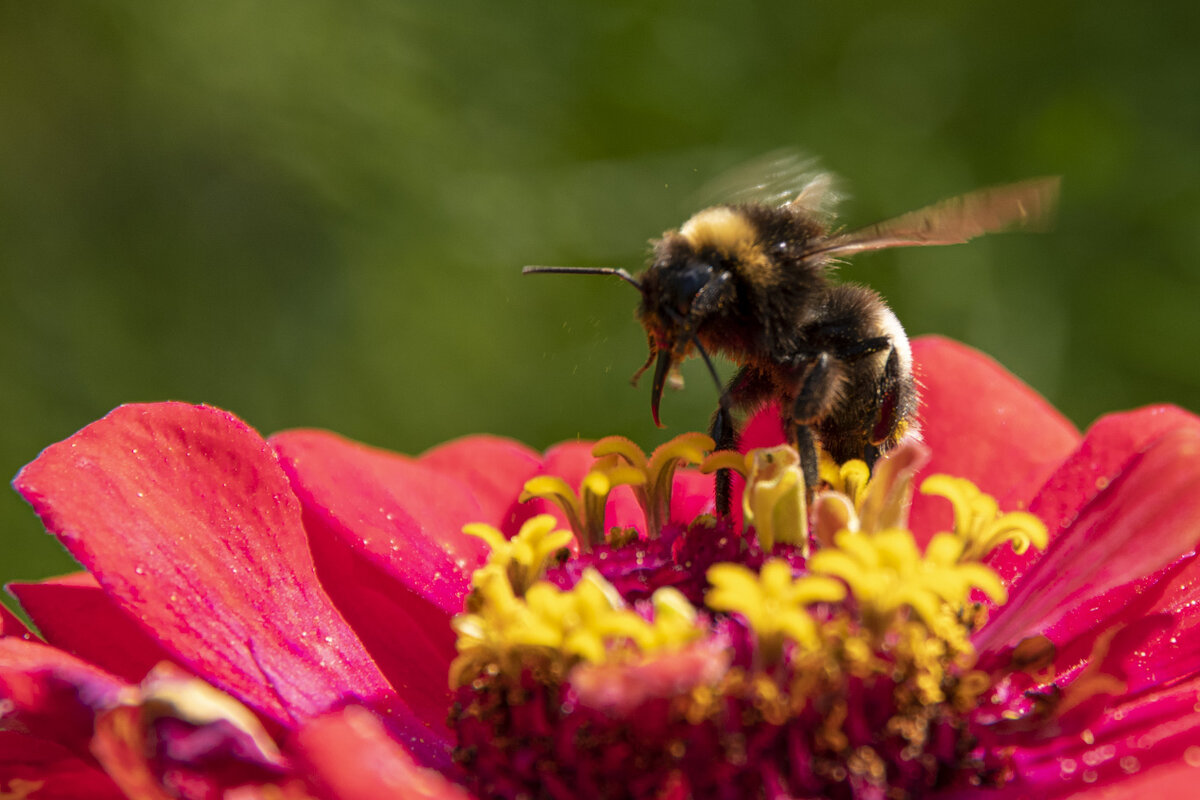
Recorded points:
751,281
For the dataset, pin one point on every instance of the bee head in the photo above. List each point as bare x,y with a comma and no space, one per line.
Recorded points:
670,289
690,281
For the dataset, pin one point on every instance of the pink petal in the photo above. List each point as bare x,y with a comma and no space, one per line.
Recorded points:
1126,744
692,496
1164,782
1109,444
1143,520
58,773
1159,620
51,694
120,746
351,757
1105,451
176,737
1171,651
494,469
386,532
985,425
74,614
186,519
571,461
763,429
11,625
404,517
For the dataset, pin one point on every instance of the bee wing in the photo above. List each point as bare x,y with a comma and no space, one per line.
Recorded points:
782,177
1027,205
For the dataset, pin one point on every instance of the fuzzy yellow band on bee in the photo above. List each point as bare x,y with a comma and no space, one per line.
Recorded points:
727,231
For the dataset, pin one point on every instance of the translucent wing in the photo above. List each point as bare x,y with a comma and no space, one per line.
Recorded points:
1027,205
779,178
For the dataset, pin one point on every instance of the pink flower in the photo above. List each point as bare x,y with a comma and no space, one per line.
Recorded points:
312,581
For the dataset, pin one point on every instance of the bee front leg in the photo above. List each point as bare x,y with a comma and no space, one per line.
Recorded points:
746,389
725,436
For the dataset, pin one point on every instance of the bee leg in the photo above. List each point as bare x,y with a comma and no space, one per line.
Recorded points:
806,446
725,436
747,389
818,389
817,394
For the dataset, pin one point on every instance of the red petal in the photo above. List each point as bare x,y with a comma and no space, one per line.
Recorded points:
493,468
983,424
27,762
763,429
1123,750
10,625
571,461
1109,444
120,745
1143,520
387,535
1105,451
404,517
692,496
1165,781
74,614
352,757
52,694
1159,641
1172,651
185,518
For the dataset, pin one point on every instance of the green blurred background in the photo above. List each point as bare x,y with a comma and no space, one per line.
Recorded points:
314,213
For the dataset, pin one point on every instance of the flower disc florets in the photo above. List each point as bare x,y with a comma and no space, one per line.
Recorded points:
820,652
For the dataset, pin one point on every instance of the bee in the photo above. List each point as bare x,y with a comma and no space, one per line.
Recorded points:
751,281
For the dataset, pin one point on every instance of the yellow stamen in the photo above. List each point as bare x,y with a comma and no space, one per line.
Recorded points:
589,622
585,510
772,602
725,459
621,446
978,521
556,490
774,498
886,573
849,478
654,493
525,556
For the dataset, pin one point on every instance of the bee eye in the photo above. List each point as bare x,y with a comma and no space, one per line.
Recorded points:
685,282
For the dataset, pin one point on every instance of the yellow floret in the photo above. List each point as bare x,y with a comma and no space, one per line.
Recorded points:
887,572
772,602
585,510
978,521
525,556
654,492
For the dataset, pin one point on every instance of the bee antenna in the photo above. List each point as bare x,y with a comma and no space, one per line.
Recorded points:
620,273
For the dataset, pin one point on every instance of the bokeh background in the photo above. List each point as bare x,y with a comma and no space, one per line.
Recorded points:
314,212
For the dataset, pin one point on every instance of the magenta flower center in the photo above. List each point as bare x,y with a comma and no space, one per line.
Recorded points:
818,652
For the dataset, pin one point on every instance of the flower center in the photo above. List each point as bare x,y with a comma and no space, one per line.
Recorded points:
692,660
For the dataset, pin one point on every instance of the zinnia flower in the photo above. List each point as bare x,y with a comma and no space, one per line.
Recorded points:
305,616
